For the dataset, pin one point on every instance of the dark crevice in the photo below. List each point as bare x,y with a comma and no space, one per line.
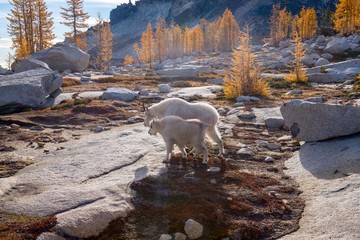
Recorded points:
116,168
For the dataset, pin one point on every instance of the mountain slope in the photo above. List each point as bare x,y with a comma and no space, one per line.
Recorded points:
129,21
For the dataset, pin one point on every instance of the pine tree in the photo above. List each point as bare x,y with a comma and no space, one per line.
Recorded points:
30,25
279,24
75,18
104,41
9,60
298,75
347,17
147,52
244,78
228,31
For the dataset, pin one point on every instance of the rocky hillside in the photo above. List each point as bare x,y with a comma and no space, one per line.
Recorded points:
129,21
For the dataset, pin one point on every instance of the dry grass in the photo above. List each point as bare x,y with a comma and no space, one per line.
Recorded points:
19,227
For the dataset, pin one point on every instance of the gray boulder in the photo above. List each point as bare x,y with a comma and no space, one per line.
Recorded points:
164,88
316,121
63,56
321,62
337,46
247,99
331,77
309,60
30,64
193,229
120,94
327,56
27,89
274,122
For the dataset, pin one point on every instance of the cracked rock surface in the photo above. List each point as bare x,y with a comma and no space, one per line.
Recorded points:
86,183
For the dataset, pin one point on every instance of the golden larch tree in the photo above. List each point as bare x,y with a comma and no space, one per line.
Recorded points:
298,74
244,78
279,25
160,39
307,23
30,26
103,36
228,32
128,60
347,17
146,52
75,18
44,26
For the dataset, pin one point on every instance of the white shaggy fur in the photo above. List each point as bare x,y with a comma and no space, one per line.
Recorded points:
179,107
181,132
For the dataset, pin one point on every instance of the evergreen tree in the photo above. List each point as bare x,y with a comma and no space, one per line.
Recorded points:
75,18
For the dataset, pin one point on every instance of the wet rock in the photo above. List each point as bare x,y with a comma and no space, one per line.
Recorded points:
193,229
37,128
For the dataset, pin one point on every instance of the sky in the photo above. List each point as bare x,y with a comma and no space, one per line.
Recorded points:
92,7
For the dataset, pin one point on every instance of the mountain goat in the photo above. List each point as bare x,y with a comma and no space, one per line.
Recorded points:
175,130
179,107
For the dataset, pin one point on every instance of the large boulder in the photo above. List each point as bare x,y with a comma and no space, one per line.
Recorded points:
316,121
63,56
27,89
337,46
30,64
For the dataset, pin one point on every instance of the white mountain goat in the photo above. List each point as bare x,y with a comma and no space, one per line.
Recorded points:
175,130
179,107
